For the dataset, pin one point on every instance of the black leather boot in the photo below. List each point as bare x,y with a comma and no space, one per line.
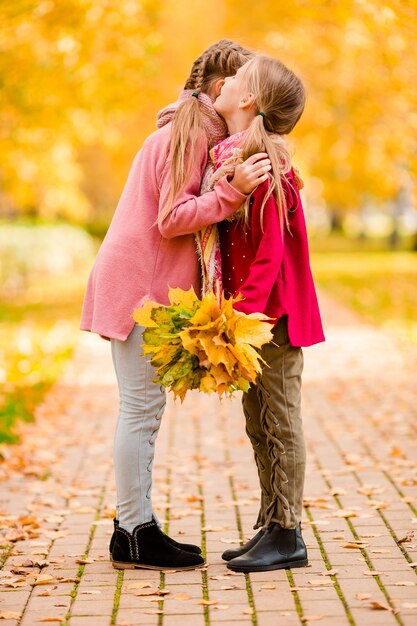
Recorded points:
188,547
279,548
235,552
147,547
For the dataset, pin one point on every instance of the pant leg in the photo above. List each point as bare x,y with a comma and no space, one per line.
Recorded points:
142,403
257,437
279,394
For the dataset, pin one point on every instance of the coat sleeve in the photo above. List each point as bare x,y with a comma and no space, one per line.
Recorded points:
268,243
190,211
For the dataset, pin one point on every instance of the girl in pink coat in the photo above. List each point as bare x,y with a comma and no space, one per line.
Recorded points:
265,258
150,246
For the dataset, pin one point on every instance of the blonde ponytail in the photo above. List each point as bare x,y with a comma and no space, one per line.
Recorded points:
257,139
279,101
186,128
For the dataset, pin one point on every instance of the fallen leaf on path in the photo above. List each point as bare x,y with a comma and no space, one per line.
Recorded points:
43,579
340,536
182,596
319,582
10,615
68,580
57,618
330,572
311,618
141,585
345,513
228,587
84,561
357,544
208,602
409,537
371,573
56,534
153,612
405,583
363,596
379,504
268,586
153,592
380,607
413,564
248,611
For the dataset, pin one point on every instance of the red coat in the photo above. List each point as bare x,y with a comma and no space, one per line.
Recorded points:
273,272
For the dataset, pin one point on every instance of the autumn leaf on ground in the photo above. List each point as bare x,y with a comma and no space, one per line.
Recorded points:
405,583
380,607
182,596
139,585
10,615
154,592
319,582
43,579
344,513
371,573
207,602
355,544
58,618
408,537
363,596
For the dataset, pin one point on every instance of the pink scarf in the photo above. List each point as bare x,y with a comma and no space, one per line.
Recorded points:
215,127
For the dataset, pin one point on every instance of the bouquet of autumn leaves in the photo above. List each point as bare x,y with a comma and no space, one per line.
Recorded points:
202,344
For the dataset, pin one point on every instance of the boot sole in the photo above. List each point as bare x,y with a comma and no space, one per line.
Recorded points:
122,565
267,568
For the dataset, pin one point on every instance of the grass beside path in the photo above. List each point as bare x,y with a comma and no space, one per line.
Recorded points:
43,274
381,286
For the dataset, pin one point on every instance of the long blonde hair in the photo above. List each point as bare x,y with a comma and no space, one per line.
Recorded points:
220,60
279,100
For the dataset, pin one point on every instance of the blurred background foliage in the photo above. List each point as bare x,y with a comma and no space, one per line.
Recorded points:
81,84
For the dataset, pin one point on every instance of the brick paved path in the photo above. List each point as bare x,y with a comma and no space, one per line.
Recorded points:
360,520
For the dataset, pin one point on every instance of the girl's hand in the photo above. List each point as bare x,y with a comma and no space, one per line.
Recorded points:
251,173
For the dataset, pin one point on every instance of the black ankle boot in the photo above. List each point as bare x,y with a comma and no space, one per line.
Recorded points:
147,547
235,552
188,547
279,548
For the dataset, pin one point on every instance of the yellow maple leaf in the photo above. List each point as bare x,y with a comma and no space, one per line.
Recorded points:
143,316
249,330
178,296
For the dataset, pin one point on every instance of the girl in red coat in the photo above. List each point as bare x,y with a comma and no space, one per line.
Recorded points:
265,258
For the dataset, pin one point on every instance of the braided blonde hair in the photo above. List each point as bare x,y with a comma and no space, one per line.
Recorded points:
218,61
280,96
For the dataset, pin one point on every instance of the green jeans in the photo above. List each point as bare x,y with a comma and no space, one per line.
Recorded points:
272,409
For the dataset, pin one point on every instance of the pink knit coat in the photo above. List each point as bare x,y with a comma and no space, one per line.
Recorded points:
142,255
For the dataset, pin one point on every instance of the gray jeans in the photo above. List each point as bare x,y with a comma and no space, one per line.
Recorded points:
142,403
